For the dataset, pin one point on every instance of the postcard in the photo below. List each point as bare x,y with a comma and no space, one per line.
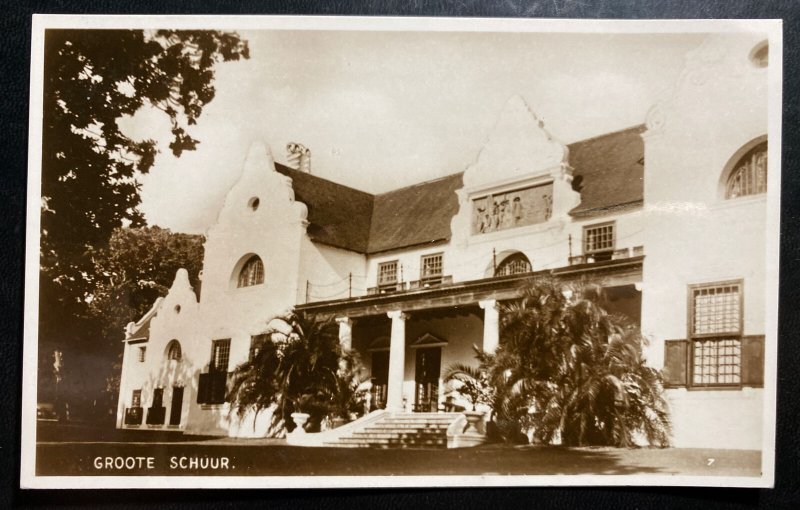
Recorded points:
318,252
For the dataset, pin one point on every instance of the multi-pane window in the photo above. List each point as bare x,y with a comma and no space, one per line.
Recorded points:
220,354
431,268
142,354
749,176
252,272
517,263
174,350
136,398
599,241
715,329
387,275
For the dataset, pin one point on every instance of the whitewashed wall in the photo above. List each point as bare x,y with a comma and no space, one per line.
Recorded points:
693,235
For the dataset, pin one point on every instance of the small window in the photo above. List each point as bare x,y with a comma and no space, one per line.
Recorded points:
136,398
715,329
516,263
599,241
749,175
387,275
174,350
252,272
142,354
220,354
253,203
431,268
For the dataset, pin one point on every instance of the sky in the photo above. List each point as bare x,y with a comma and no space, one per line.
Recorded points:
382,110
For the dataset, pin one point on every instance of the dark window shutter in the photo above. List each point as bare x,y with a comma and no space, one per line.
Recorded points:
753,361
202,389
675,356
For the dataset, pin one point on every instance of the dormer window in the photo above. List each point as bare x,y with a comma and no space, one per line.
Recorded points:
599,241
252,272
749,175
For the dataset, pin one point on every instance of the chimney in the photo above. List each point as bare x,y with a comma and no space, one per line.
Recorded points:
299,157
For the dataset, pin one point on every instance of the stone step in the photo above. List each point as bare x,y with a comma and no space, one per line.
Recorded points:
411,424
392,442
423,416
407,428
395,435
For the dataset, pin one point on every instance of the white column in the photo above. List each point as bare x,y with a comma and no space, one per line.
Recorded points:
397,361
345,332
491,324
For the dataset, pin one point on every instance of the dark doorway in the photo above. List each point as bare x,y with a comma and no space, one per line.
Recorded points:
380,379
428,368
177,405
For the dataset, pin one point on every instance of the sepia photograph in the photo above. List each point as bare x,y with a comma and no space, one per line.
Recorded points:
401,252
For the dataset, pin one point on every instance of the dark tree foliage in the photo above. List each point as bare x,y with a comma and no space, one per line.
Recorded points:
299,366
571,371
137,267
92,78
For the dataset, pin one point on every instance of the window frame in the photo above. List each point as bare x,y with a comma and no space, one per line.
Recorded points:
136,398
256,341
142,354
512,259
387,284
584,241
746,164
212,365
172,346
719,336
431,278
243,277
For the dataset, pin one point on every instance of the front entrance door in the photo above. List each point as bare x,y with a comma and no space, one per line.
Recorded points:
380,379
428,368
177,405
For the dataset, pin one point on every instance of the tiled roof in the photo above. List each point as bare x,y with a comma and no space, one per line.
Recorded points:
414,215
608,172
338,216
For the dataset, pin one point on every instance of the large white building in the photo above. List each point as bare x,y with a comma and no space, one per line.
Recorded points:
669,215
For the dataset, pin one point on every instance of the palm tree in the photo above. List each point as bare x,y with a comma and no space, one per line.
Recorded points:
575,372
472,383
297,368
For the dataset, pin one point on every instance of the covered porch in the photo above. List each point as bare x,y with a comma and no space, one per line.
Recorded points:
408,339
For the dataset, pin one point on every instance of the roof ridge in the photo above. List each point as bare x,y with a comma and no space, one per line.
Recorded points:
315,176
605,135
421,183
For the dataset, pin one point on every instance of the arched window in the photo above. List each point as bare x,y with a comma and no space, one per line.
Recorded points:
252,272
174,350
516,263
749,175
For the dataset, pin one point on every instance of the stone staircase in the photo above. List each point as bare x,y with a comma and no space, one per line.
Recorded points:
408,430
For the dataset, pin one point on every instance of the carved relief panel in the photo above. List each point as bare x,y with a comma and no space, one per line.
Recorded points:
509,209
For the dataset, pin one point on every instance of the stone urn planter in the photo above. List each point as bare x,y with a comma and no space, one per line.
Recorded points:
473,422
300,420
